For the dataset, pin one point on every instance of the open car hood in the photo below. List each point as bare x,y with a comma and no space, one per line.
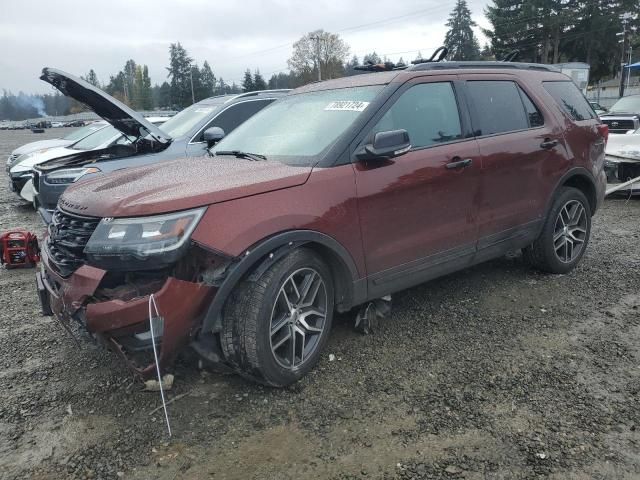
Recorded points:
125,119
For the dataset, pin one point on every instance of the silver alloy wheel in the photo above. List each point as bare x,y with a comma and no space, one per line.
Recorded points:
298,318
570,231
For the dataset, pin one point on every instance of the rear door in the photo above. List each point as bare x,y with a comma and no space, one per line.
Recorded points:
522,152
228,120
417,213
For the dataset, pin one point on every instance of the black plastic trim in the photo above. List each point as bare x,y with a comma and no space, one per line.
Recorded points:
279,245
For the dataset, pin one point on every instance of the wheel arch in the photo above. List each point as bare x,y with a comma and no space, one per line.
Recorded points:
349,288
581,179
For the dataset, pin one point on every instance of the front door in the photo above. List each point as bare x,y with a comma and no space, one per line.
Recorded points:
418,212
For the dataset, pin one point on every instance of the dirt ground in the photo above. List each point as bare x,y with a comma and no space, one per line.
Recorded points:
496,372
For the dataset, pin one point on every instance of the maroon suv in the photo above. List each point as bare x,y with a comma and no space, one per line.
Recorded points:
339,193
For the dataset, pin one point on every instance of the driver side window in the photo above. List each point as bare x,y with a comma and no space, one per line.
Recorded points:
427,111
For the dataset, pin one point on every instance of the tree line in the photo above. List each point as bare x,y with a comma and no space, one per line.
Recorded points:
542,31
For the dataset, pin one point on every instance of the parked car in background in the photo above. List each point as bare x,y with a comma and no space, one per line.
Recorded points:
191,132
598,108
624,115
41,145
57,124
622,161
341,192
101,139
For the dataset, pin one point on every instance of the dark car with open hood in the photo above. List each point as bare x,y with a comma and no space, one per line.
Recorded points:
187,134
340,193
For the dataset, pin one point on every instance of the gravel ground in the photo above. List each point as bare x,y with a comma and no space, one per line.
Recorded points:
495,372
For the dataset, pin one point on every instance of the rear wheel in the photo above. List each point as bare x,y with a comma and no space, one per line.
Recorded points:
274,328
565,233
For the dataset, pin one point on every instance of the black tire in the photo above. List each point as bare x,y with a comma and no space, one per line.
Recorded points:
246,334
542,253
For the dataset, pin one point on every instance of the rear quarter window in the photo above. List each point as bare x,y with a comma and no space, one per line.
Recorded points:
570,99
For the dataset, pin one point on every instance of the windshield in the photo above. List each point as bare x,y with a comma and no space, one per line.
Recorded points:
97,138
300,127
182,123
84,131
626,105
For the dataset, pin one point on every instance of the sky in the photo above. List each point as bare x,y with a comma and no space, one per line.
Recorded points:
232,36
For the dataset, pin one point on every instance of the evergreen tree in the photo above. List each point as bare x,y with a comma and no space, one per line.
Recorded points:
207,81
179,75
401,62
350,65
247,83
372,57
460,40
147,95
164,96
92,78
129,73
195,83
258,81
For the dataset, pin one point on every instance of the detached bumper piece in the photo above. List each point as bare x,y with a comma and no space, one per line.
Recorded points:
120,317
623,175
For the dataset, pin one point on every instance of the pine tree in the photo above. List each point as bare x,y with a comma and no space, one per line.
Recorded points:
180,75
147,94
247,83
371,58
460,40
129,72
92,78
207,81
258,81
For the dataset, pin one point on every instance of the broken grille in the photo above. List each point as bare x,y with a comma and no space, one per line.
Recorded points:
68,235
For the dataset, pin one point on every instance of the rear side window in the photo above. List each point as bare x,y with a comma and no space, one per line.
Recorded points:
233,116
497,107
429,112
533,114
570,99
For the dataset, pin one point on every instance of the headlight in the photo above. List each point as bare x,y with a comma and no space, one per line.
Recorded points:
66,177
126,239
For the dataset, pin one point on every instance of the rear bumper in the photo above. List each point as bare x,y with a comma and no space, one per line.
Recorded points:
123,324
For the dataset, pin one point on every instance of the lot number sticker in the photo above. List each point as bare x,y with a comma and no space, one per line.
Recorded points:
347,106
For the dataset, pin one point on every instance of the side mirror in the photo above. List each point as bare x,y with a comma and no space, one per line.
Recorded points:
392,143
213,135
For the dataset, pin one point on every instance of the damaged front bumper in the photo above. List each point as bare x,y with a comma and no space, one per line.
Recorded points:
120,316
619,170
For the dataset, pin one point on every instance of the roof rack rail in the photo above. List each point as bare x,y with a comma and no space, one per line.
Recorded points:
258,92
437,56
484,65
511,56
380,67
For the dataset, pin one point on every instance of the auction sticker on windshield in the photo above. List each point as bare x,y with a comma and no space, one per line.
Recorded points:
347,106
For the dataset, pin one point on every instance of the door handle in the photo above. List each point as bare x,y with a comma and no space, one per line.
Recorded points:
548,143
459,163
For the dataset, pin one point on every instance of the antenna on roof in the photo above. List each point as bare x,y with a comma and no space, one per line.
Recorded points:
511,56
437,56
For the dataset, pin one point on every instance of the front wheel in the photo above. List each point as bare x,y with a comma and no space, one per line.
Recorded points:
565,233
275,327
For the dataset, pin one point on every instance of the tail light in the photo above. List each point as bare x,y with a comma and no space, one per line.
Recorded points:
604,131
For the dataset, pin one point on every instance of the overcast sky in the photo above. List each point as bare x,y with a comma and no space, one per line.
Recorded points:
76,36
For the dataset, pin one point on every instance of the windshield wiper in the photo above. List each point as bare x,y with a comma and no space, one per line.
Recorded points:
240,154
